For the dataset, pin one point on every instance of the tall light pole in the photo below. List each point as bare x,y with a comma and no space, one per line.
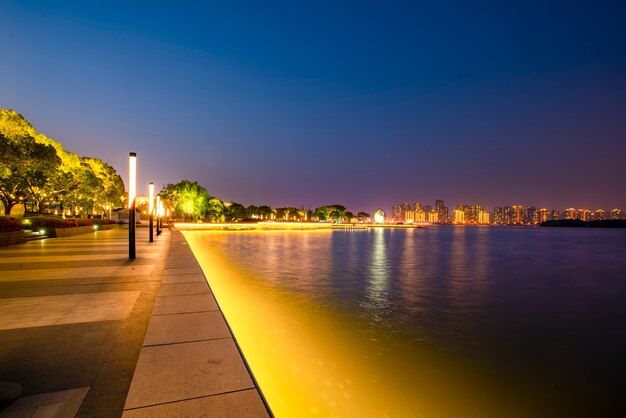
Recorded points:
132,192
158,213
151,209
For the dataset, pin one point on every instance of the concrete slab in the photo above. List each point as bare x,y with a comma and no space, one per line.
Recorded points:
68,309
242,404
182,270
175,372
56,404
168,329
184,278
184,304
180,289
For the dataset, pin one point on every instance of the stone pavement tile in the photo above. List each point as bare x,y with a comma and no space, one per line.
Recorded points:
184,304
242,404
55,404
178,328
43,311
180,289
176,372
184,278
182,270
97,406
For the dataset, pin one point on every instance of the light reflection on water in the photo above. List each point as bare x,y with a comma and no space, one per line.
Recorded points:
448,321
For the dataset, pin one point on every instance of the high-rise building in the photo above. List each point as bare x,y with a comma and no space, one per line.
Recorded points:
398,211
599,215
442,211
555,215
484,218
543,215
472,213
570,213
409,216
498,216
518,215
433,217
584,215
459,217
617,214
532,216
507,218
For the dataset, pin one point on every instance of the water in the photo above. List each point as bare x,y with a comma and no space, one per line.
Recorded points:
435,322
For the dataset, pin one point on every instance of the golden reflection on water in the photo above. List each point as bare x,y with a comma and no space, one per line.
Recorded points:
311,360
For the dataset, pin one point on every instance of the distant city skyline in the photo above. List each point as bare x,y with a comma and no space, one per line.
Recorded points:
479,214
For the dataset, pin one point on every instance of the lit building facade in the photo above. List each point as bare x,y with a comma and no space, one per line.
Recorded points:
617,214
498,216
599,215
459,217
532,216
518,215
544,215
570,213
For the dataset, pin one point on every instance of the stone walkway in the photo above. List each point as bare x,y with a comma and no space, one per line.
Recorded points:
190,365
79,322
73,316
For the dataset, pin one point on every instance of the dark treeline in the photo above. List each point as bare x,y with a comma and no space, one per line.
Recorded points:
577,223
35,170
189,201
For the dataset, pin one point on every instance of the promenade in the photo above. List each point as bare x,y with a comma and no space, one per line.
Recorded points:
74,313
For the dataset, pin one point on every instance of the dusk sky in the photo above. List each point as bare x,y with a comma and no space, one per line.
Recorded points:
309,103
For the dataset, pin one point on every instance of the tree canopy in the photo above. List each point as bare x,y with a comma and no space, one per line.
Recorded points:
36,169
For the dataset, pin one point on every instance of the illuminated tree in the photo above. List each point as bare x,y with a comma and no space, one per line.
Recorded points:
25,168
235,212
215,212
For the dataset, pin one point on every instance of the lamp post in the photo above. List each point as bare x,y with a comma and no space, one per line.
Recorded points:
132,191
151,209
158,213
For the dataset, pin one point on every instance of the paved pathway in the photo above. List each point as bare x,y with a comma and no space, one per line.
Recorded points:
73,316
190,365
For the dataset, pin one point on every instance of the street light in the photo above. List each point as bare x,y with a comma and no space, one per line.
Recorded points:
158,214
132,192
151,209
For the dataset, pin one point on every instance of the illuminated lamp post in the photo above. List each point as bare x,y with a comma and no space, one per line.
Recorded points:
132,192
158,214
151,209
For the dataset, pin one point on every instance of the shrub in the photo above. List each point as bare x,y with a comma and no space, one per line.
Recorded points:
100,221
9,224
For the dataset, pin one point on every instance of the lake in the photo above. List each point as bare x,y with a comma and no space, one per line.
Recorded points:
430,322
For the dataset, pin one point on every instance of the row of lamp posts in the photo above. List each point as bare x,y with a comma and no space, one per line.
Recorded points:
153,209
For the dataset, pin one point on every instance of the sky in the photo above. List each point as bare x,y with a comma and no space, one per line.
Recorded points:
358,103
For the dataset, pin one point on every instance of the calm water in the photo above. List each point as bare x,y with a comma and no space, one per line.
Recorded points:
441,321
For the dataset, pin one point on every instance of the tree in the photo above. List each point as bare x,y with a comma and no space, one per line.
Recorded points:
25,168
215,212
321,213
235,212
363,216
48,175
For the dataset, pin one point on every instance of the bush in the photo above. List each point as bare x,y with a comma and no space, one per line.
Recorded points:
100,221
9,224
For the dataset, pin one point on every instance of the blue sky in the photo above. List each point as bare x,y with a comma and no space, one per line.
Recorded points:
311,103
